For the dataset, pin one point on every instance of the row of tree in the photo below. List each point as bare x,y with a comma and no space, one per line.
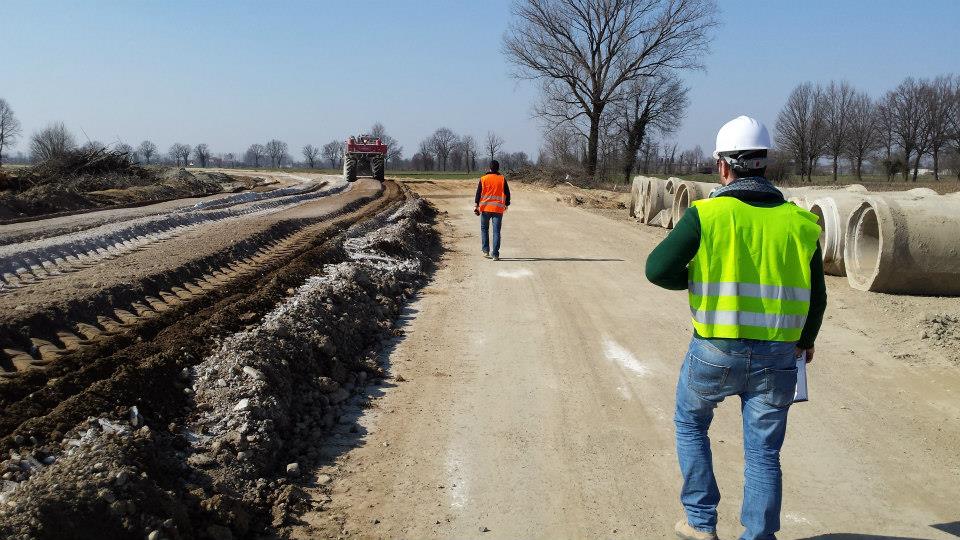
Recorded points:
917,119
445,150
55,139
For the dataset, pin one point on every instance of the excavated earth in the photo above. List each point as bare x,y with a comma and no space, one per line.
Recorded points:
177,387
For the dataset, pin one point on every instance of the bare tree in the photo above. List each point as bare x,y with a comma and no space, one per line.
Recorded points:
442,142
863,131
493,144
938,110
456,154
254,154
649,153
333,151
202,153
656,102
469,146
560,146
586,50
801,127
125,148
9,127
909,123
277,150
394,150
836,102
51,141
185,151
310,153
147,150
94,146
426,154
885,134
176,153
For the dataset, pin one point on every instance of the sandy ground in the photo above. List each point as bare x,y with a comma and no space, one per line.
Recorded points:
537,394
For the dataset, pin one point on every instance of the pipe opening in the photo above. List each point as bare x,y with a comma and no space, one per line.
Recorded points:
683,202
867,246
817,211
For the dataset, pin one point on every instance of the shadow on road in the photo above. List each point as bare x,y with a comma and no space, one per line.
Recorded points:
560,259
949,528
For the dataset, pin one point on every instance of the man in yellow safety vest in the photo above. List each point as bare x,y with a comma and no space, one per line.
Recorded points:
753,269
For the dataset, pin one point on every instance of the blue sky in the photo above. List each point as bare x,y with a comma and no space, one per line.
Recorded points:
233,73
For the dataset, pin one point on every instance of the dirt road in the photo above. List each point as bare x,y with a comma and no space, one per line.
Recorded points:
534,397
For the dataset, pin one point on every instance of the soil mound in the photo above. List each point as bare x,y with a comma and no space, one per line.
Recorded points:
88,179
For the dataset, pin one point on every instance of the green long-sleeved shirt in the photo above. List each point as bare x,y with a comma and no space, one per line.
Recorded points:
667,265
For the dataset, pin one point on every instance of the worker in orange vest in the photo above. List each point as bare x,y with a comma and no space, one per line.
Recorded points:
492,200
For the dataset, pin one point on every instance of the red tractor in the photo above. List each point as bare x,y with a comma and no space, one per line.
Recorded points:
364,155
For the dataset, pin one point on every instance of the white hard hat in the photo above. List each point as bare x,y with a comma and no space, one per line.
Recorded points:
742,133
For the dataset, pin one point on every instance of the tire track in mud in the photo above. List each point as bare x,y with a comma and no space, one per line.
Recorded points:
27,263
159,323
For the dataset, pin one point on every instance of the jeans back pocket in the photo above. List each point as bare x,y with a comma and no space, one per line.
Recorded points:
780,387
708,380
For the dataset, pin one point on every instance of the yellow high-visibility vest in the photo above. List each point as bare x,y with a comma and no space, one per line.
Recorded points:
750,278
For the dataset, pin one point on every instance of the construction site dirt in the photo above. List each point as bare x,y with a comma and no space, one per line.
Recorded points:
212,283
325,360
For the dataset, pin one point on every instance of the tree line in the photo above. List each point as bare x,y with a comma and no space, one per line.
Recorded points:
894,132
444,150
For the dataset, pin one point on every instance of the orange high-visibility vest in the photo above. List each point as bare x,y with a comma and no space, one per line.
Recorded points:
493,197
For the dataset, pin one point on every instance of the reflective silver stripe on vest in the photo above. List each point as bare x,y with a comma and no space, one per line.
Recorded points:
498,205
748,318
754,290
493,198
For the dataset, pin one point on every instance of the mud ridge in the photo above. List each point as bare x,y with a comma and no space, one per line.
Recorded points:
26,263
29,397
201,448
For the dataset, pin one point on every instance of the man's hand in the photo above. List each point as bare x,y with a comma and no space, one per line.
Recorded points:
476,210
809,352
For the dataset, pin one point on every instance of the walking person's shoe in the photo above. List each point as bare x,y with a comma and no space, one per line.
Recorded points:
485,254
496,257
686,532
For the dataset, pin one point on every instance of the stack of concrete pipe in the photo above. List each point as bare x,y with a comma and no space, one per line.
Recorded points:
905,242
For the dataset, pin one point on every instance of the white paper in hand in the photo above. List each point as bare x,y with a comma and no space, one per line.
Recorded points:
801,393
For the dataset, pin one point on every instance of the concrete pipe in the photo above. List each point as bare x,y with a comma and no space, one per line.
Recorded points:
636,197
670,185
653,199
834,208
687,192
906,245
833,211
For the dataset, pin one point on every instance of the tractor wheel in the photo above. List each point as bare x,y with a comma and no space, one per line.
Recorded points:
350,168
377,165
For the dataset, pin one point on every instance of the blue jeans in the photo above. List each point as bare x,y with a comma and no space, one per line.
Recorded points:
485,219
764,375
